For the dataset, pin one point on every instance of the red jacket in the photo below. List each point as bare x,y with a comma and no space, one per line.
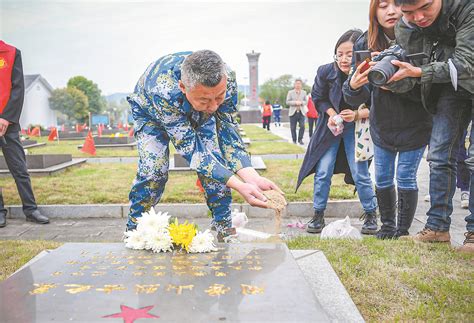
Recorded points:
312,113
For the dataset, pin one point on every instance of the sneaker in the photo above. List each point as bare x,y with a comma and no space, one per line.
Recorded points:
370,223
465,200
468,244
427,198
428,235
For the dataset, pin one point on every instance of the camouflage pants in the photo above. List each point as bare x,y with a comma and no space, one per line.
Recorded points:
152,175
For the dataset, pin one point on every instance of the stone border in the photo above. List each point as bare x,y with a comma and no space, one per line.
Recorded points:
59,168
340,209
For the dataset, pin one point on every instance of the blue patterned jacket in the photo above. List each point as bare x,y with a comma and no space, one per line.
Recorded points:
157,101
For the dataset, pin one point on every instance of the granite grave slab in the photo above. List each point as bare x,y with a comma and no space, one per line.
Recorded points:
92,282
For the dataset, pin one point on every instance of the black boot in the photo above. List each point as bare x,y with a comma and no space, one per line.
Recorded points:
387,200
316,224
370,223
407,203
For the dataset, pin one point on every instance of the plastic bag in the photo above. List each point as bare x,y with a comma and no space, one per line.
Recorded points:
239,219
340,229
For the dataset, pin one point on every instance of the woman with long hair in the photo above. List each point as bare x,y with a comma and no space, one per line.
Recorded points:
399,126
331,149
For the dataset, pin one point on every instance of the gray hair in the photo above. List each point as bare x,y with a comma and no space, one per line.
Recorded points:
203,67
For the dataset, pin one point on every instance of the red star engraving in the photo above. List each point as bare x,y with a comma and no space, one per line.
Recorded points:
130,314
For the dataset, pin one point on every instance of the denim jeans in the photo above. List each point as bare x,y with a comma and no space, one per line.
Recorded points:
407,166
463,175
452,116
359,170
470,164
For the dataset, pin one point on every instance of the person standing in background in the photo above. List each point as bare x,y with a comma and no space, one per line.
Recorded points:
277,113
296,99
312,115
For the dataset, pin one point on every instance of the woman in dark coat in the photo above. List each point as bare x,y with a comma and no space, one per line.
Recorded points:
399,125
328,153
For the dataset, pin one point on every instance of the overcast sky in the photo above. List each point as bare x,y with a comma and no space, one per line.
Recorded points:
112,42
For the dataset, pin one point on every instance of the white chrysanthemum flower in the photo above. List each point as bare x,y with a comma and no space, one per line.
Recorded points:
159,241
202,242
153,221
135,240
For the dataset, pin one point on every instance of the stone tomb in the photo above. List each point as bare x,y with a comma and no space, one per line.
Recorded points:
114,143
92,282
65,135
44,164
178,163
28,143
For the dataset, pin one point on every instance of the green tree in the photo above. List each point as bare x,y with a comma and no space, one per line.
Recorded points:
97,103
278,88
71,102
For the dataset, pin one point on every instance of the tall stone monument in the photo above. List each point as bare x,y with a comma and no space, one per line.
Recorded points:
253,78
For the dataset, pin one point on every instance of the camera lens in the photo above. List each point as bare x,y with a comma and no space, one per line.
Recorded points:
382,71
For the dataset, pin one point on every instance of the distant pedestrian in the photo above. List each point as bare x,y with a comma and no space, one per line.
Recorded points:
296,99
277,113
312,115
266,115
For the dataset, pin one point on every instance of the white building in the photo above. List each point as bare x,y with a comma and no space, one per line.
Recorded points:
36,108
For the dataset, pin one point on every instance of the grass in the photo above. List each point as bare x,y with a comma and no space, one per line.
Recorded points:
388,280
111,183
262,142
14,254
258,133
400,280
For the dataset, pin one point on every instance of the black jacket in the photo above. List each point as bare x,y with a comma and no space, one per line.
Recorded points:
326,93
14,106
398,122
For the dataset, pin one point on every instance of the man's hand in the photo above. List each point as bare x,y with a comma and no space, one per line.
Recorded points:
250,175
404,70
359,79
3,126
249,192
347,115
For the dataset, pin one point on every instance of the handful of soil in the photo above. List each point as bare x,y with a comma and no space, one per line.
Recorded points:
277,202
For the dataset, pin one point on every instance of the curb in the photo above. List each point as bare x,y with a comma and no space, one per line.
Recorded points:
351,208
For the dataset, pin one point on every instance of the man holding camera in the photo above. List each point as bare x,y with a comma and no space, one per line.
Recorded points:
443,29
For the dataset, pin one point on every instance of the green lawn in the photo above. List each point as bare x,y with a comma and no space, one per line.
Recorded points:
393,281
389,281
262,142
110,183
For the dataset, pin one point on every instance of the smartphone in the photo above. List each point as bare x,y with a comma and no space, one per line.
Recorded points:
361,56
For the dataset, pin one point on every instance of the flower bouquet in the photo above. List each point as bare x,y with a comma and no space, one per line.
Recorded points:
160,233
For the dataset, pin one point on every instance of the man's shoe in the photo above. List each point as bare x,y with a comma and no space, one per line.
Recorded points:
370,223
294,142
3,219
301,142
465,200
37,217
428,235
316,224
229,235
468,244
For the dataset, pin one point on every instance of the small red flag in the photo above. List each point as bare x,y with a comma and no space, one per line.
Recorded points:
131,132
99,130
89,146
53,135
199,185
120,125
36,132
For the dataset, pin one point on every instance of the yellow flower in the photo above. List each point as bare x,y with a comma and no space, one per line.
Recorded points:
182,234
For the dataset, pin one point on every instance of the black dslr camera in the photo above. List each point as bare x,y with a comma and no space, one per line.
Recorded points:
384,69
